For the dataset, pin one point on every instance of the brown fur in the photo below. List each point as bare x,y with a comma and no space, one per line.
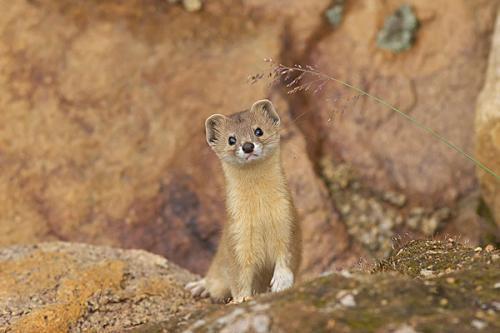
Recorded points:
261,238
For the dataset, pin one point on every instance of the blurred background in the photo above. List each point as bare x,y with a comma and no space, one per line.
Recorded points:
103,103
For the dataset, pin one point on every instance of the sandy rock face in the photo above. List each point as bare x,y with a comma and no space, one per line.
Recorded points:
436,81
102,136
488,127
63,287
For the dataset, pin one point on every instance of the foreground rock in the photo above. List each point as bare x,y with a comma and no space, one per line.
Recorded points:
62,287
488,128
426,286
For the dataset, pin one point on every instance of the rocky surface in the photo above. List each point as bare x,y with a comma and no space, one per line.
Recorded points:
437,81
101,129
375,220
62,287
425,286
487,128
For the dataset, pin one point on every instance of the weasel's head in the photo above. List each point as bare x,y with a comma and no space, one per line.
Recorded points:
245,137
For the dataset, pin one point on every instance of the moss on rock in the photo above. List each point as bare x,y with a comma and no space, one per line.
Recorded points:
461,295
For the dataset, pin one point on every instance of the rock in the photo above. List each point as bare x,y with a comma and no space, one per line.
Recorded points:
90,288
325,238
426,272
429,81
397,199
192,5
348,301
405,329
487,128
102,128
429,305
479,324
63,287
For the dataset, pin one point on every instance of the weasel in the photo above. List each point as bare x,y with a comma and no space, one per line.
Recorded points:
260,245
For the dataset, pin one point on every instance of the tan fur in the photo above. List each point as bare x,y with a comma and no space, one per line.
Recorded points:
260,245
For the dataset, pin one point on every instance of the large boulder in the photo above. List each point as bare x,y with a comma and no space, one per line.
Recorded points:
103,106
63,287
488,128
437,81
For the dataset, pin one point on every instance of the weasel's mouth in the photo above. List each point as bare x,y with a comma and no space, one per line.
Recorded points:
251,156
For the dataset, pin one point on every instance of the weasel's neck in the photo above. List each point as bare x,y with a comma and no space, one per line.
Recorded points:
262,176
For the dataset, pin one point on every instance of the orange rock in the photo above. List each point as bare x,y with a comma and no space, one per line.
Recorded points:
436,81
62,287
101,129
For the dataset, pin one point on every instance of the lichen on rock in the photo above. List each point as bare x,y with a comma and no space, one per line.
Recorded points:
63,287
335,12
398,32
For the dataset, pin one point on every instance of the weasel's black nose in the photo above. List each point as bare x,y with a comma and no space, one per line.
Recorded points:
248,147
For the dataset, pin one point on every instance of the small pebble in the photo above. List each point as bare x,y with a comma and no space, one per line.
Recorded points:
426,272
496,305
450,280
346,273
348,301
478,324
192,5
405,329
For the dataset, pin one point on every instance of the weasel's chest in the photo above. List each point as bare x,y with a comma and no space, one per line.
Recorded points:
257,225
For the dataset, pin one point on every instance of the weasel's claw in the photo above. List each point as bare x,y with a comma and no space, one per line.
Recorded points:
198,288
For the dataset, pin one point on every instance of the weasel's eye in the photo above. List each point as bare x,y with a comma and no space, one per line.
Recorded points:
231,140
258,132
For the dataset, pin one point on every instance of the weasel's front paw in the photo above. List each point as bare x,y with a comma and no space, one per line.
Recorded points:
198,288
282,279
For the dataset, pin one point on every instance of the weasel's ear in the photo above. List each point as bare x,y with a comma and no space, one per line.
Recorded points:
212,126
265,107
